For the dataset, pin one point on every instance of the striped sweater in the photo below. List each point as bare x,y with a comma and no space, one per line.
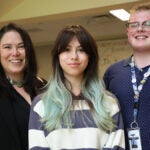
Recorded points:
84,135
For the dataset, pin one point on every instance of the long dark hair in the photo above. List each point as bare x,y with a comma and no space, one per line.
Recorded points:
58,99
87,42
31,65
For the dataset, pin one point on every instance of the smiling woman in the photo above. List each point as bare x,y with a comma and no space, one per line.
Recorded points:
13,56
18,86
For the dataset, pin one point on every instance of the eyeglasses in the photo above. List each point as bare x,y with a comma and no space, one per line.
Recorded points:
133,26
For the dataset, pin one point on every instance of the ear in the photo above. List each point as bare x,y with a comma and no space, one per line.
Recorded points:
127,30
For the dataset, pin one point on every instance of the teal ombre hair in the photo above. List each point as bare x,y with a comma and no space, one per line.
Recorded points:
58,99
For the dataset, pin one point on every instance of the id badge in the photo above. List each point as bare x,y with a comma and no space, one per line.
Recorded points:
134,139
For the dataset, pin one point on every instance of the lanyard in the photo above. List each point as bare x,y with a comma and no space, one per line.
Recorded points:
137,89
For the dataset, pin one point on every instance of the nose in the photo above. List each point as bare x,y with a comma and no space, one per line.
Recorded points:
140,27
15,51
74,55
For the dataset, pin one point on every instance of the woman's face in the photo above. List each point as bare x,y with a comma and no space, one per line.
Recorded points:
12,54
73,60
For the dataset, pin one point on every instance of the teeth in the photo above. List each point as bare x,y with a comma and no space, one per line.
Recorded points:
15,61
141,37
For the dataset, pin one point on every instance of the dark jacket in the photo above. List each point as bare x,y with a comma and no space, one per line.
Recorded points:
9,136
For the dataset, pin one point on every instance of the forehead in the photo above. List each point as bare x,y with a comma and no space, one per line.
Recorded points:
74,41
140,16
11,36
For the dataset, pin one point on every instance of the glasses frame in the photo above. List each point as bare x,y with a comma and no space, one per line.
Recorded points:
145,25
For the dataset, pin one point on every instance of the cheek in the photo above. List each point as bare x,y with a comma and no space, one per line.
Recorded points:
129,33
61,59
4,60
4,56
60,62
130,36
86,61
23,53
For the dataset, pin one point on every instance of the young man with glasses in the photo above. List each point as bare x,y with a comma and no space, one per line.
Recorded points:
129,80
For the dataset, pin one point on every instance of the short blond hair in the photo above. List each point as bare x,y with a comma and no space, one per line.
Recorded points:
140,6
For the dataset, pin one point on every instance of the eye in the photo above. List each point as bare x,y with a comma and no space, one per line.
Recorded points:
7,47
80,49
147,23
67,49
133,25
21,46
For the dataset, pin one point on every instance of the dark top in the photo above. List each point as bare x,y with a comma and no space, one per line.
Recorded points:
21,110
118,80
14,118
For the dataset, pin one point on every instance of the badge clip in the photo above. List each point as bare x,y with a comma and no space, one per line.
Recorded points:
134,137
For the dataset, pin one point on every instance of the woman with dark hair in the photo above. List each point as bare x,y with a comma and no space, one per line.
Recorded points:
18,86
75,112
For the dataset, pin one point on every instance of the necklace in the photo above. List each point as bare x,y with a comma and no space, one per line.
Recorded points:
17,83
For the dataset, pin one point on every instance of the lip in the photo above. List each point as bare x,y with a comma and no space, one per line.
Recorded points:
74,64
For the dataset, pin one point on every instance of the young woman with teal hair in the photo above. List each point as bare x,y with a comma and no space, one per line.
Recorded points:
76,112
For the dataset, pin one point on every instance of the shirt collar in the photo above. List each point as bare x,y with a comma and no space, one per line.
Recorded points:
127,61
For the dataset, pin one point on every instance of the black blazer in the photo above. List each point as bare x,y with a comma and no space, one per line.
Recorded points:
9,138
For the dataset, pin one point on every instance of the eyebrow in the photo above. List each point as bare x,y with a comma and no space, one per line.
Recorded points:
12,44
5,44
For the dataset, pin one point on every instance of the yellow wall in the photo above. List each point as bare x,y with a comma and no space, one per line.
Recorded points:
25,10
112,51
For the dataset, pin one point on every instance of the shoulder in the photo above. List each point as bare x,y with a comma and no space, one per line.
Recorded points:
119,64
113,102
37,105
41,84
117,68
36,99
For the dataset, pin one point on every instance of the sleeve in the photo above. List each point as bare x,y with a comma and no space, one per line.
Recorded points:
106,79
37,138
116,138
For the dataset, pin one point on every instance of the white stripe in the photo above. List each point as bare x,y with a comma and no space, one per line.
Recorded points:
116,138
39,108
83,105
37,138
80,105
77,138
114,109
111,106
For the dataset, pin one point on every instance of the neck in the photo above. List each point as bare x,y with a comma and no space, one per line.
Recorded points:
19,83
142,60
74,85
